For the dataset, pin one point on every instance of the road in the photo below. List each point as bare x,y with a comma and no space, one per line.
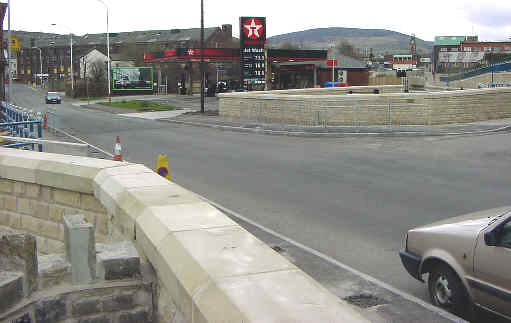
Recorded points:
352,199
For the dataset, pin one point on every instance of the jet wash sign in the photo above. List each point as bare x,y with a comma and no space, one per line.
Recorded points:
252,56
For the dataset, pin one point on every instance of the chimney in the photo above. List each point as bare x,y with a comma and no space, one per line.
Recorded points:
227,30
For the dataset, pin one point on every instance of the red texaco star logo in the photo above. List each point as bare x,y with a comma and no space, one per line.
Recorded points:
253,28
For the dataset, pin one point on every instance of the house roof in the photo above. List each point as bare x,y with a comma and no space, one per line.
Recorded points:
346,62
147,36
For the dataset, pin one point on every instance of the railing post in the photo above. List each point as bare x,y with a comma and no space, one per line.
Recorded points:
355,121
40,134
390,113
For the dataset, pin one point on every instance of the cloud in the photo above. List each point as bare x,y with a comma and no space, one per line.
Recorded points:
489,16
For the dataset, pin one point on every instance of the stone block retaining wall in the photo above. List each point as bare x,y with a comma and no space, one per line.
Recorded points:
331,106
119,302
38,209
208,268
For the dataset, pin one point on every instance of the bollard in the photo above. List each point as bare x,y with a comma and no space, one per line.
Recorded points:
162,166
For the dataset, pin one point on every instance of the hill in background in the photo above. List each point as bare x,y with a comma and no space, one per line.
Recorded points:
380,40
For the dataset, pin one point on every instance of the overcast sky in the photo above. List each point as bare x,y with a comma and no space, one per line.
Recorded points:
490,19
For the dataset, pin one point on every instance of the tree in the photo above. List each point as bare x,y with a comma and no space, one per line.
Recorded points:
97,71
288,45
346,48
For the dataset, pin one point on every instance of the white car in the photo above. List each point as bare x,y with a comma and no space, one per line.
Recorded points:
468,259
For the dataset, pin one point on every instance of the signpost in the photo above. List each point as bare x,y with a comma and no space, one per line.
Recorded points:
333,63
252,56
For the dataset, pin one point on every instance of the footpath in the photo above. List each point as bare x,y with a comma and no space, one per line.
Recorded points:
188,108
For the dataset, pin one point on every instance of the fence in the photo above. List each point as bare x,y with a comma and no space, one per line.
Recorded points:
503,67
53,119
21,123
319,114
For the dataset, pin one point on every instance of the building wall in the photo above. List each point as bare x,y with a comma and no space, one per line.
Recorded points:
57,56
356,77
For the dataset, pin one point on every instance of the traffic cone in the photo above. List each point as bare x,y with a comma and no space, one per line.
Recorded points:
45,121
117,149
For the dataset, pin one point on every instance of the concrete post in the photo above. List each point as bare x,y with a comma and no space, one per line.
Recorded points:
80,248
22,247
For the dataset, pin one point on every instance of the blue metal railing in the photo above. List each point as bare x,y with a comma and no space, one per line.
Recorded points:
21,123
503,67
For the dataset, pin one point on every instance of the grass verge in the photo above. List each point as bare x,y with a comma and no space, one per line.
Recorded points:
139,105
92,98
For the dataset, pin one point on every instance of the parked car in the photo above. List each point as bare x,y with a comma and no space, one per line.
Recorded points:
468,259
53,97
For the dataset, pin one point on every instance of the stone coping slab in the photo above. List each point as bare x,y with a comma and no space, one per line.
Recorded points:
214,269
330,95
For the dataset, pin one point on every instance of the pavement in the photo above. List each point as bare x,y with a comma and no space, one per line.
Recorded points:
188,108
214,121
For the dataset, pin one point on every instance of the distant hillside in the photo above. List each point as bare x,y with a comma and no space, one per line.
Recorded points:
380,40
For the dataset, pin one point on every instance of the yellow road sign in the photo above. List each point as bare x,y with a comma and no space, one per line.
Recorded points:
15,43
162,166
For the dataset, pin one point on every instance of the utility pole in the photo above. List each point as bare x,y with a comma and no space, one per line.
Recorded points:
202,56
71,56
41,63
108,52
9,52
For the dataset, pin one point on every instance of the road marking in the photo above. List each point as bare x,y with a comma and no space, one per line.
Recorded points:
84,142
316,253
352,270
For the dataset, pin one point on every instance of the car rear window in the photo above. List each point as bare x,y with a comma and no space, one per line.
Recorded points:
53,96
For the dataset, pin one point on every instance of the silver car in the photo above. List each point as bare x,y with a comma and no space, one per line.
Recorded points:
468,259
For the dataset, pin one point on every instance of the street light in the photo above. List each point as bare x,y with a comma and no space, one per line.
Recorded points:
108,52
71,60
202,56
9,53
41,62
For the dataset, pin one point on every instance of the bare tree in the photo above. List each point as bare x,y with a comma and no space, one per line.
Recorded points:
346,48
288,45
97,71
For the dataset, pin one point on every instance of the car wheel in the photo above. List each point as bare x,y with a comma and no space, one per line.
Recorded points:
447,291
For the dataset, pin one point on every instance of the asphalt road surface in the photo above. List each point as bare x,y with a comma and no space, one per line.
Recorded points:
352,199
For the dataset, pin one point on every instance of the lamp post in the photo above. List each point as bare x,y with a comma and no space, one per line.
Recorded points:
71,60
9,53
202,56
40,62
108,52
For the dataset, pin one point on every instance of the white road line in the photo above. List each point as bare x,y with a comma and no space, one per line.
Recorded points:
373,280
316,253
84,142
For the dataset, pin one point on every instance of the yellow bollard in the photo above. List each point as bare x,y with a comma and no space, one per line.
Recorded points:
162,166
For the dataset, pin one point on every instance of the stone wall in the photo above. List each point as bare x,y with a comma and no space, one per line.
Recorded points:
110,302
38,209
208,268
421,108
471,83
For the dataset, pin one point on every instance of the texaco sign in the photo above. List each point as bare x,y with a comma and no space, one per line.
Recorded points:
252,41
